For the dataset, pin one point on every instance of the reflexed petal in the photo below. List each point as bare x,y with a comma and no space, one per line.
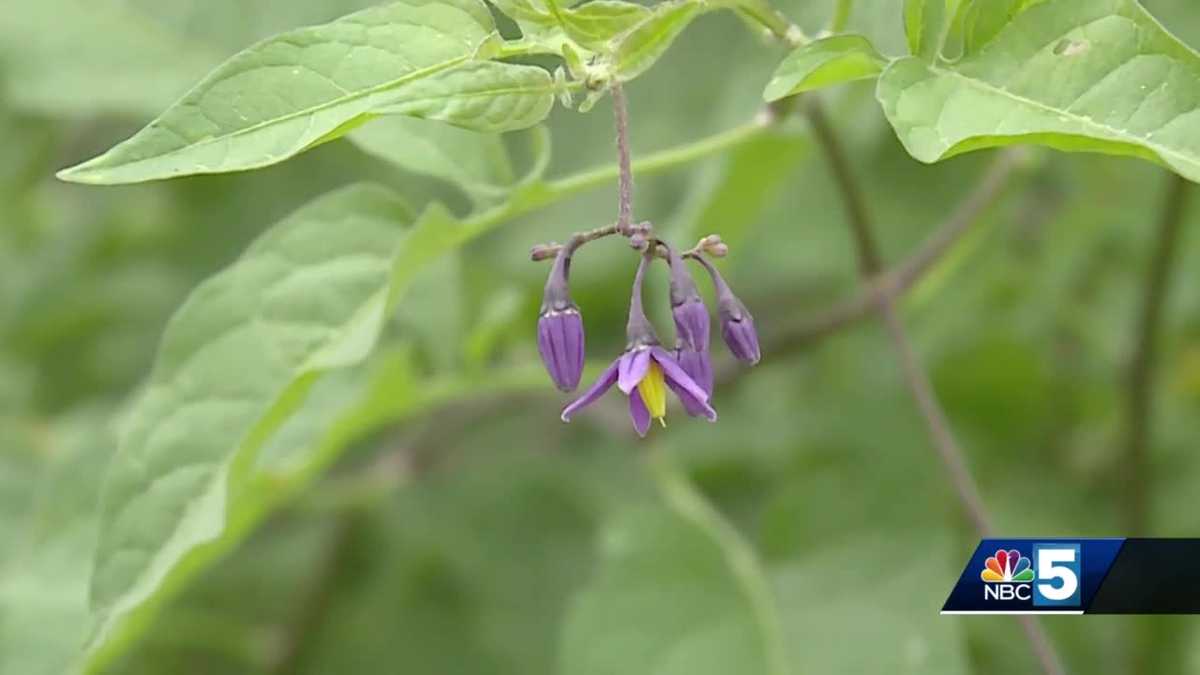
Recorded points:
698,366
690,393
639,414
634,365
602,384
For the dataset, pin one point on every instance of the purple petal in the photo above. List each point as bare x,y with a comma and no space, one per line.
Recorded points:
560,343
602,384
639,414
741,338
683,385
575,350
634,365
698,366
692,324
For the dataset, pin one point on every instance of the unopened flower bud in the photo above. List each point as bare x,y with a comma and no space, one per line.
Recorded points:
687,308
737,329
560,327
737,325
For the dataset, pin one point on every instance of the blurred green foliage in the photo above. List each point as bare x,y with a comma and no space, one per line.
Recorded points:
467,530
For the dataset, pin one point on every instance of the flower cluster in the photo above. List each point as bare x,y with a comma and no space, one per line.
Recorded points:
645,370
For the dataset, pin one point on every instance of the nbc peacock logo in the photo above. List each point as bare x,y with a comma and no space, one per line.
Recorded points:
1007,576
1007,567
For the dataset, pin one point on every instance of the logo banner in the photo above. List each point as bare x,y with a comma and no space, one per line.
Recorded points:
1079,576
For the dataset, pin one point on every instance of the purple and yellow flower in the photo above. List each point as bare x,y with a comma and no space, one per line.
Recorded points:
560,327
644,372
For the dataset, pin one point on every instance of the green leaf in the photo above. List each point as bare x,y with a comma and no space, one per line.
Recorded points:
476,162
639,49
927,24
484,96
310,295
1075,75
288,93
825,62
676,592
595,24
49,489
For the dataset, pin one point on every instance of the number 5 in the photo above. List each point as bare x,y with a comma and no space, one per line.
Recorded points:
1048,569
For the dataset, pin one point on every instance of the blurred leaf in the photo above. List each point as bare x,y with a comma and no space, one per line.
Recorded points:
842,596
235,361
45,561
500,312
90,57
422,584
749,179
299,89
432,313
1075,75
822,63
643,45
477,162
676,593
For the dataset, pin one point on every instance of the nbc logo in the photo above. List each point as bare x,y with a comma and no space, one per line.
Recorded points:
1008,576
1007,566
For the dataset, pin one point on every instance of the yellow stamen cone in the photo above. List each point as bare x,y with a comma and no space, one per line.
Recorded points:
653,389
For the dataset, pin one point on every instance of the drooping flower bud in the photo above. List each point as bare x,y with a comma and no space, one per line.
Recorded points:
737,325
560,327
687,308
737,329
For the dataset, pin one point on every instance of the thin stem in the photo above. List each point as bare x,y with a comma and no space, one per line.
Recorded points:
917,380
896,282
1145,357
624,164
540,195
688,502
841,16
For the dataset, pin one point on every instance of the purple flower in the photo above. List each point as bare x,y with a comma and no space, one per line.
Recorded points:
737,329
560,327
687,308
640,373
644,371
698,366
737,325
560,342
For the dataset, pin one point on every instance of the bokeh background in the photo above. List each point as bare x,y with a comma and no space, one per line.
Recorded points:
483,536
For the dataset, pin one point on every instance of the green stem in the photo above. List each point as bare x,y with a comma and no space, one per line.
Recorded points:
841,16
684,499
539,195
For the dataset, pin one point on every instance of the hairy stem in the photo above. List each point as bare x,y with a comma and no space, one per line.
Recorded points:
917,380
624,164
